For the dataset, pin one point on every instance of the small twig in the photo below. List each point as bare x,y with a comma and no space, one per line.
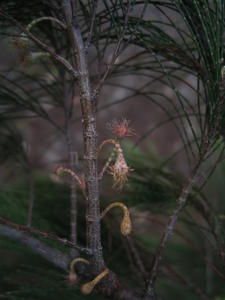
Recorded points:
74,7
90,33
108,141
209,215
137,257
38,20
194,248
46,235
150,294
80,180
42,45
129,254
106,165
72,159
114,56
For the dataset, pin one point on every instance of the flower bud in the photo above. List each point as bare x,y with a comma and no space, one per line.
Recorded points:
89,286
72,278
80,179
126,225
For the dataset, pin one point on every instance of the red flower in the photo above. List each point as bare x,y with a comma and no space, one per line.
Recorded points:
121,128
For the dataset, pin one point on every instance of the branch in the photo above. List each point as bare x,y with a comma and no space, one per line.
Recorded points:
106,166
90,33
36,21
150,295
209,217
114,57
194,248
54,256
42,45
137,257
50,236
72,159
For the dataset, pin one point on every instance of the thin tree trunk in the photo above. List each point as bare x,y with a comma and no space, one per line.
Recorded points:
90,142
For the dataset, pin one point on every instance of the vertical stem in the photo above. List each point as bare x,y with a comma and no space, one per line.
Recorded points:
73,196
137,257
90,143
31,197
68,106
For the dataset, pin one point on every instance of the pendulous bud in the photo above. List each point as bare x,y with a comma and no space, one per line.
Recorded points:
87,288
72,278
126,225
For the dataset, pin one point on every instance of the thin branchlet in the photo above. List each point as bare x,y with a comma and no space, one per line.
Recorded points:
42,45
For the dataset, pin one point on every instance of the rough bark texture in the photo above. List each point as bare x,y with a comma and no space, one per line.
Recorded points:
90,142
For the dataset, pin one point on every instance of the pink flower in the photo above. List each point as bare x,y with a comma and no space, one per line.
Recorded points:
119,171
121,128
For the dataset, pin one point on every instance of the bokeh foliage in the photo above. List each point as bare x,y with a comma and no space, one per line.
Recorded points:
166,52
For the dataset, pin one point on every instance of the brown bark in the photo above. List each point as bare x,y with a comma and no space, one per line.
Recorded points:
90,142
